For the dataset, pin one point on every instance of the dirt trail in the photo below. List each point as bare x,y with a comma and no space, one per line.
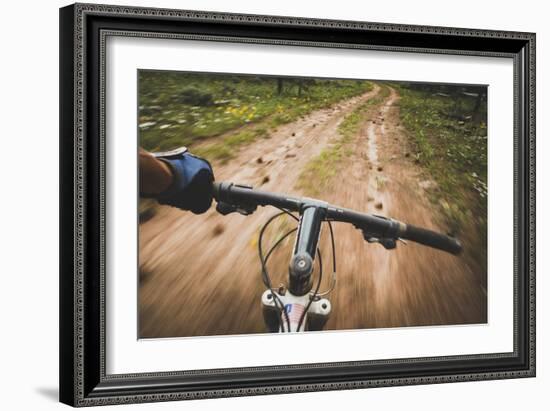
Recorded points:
200,275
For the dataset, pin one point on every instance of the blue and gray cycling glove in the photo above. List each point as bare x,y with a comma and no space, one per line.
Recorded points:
192,185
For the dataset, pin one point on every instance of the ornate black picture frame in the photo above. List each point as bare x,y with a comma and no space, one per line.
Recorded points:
83,30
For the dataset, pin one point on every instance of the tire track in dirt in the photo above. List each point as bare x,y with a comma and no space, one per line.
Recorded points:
199,275
409,286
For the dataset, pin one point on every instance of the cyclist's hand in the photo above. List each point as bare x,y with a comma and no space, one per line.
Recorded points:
191,188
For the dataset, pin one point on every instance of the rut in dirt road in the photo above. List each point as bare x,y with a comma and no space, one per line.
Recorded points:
412,284
200,275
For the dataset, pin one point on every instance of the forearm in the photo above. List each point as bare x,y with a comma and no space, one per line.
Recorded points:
155,176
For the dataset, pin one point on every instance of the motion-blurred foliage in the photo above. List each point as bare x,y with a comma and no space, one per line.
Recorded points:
448,129
178,108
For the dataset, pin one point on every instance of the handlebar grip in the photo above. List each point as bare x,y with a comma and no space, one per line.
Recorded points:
432,239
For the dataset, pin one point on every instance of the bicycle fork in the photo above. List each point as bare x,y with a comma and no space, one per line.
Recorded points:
276,321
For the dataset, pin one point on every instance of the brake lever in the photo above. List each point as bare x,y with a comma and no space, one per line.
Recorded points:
226,208
387,243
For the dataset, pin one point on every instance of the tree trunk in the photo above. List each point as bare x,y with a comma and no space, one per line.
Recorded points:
279,86
476,116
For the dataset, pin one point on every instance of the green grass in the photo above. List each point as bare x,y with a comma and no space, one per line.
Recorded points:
218,113
319,171
225,148
452,147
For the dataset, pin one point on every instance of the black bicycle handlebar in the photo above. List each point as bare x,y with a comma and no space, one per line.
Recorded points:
245,199
246,196
432,239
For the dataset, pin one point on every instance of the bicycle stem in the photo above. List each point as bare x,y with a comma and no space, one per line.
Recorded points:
303,256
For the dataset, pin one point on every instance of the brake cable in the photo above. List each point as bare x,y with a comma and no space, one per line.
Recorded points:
333,282
312,297
333,277
265,275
